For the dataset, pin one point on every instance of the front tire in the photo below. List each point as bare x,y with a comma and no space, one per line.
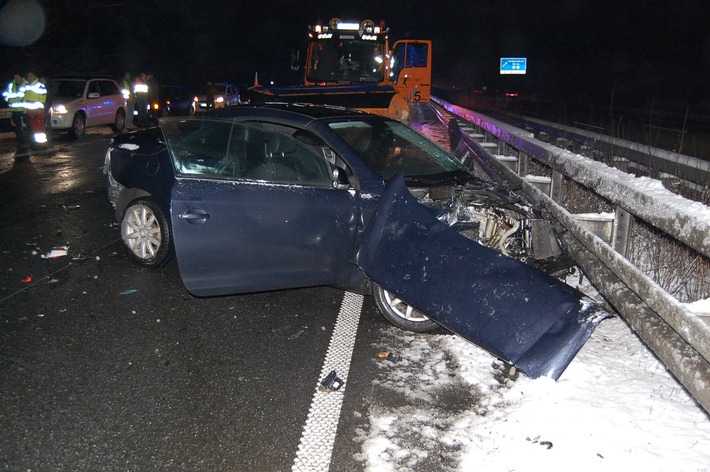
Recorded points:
146,233
400,313
119,123
78,126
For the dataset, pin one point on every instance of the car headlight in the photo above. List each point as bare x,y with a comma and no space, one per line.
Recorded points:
59,110
219,99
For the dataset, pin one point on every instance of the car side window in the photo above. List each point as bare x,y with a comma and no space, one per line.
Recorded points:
93,88
276,155
198,148
107,88
245,151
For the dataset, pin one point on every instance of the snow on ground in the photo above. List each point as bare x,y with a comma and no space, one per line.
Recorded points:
615,408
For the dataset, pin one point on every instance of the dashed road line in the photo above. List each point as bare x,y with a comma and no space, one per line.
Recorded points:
316,446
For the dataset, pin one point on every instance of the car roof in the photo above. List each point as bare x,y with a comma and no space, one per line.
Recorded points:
307,111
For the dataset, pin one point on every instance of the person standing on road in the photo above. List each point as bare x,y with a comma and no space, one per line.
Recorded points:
35,96
140,89
152,97
47,112
129,96
14,95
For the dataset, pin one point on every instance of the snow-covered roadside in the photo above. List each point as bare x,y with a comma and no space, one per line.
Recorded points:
615,408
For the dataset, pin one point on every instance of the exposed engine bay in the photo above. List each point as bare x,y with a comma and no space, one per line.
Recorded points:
497,218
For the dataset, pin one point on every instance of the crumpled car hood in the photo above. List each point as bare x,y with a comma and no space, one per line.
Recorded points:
513,310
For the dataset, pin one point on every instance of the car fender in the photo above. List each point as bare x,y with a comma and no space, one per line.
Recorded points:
125,197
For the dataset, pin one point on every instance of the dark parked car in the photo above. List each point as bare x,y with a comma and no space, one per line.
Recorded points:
283,196
5,117
174,100
225,95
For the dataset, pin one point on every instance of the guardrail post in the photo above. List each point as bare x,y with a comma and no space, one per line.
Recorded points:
522,163
622,228
557,191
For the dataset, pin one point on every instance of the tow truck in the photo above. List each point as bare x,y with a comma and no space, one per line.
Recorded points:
350,64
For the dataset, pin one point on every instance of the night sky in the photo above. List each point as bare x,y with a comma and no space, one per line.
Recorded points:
635,52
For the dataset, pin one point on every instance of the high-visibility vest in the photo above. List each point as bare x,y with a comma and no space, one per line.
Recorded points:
35,95
140,86
126,89
15,94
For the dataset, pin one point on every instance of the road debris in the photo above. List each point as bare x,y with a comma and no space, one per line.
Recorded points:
332,382
58,251
390,356
288,332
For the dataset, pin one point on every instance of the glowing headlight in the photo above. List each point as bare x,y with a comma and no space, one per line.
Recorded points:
219,99
59,109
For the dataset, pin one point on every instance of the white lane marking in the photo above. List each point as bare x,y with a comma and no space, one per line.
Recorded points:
316,446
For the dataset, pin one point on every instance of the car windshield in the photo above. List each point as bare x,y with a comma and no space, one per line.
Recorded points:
66,88
218,90
390,147
338,59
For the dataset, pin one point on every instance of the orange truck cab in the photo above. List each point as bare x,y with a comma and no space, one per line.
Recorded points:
351,64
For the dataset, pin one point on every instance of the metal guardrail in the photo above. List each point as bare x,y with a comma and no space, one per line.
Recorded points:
684,167
679,337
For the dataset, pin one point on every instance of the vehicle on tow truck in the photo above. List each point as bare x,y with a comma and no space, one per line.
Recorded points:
350,64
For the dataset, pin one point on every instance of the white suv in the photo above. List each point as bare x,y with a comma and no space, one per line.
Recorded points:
80,102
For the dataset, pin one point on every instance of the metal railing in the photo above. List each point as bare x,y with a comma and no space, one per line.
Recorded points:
687,168
679,337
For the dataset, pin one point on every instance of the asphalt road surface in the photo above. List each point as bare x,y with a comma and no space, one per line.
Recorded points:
108,366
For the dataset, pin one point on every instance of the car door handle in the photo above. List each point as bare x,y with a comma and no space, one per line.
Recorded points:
194,217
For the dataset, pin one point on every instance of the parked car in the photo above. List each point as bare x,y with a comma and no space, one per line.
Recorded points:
283,196
5,117
226,95
173,100
82,102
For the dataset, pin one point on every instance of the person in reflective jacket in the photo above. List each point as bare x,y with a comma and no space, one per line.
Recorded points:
129,96
14,95
35,96
140,89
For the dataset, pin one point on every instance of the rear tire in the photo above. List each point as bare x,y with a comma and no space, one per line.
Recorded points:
146,233
400,313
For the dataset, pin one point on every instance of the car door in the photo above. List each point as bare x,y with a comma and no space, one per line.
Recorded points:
253,209
111,100
505,306
93,104
411,69
232,97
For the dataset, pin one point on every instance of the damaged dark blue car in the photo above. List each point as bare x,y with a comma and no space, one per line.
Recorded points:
283,196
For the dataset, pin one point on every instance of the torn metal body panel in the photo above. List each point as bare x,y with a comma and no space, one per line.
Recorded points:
511,309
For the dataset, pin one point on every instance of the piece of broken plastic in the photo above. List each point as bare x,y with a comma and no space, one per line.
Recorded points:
332,381
58,251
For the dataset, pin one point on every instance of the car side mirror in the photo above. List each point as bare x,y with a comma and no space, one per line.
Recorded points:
94,95
340,179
